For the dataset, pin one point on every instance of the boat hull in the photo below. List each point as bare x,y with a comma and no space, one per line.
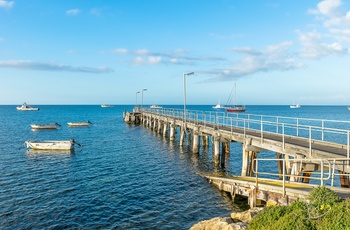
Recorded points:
47,126
50,145
78,124
237,109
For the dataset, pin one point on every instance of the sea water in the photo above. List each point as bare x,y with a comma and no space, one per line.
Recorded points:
122,177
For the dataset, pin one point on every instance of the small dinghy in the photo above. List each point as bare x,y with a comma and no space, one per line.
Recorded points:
51,145
45,126
79,124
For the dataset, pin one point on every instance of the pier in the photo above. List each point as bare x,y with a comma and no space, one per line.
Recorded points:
308,152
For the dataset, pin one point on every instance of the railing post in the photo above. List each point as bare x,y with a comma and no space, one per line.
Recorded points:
261,131
204,120
244,128
256,173
310,138
348,147
297,127
333,166
322,130
283,143
321,172
283,176
277,125
231,126
248,120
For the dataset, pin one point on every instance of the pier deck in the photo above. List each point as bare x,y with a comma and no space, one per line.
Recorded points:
309,147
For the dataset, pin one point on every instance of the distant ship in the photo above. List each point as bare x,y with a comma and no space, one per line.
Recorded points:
25,107
106,106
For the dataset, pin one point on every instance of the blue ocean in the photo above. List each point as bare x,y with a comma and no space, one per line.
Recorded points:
122,177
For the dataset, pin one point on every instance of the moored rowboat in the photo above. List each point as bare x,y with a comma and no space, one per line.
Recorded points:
51,145
45,126
79,124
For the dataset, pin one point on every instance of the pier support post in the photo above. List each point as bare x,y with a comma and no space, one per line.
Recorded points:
344,180
245,161
195,143
296,170
182,135
172,130
252,197
205,140
216,148
155,121
279,165
159,127
252,162
165,127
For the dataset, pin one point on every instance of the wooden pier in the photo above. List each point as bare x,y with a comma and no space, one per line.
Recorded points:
306,149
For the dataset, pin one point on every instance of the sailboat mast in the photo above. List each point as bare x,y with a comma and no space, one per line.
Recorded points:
235,94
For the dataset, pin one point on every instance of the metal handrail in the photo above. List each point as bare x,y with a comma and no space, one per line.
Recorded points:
247,123
322,178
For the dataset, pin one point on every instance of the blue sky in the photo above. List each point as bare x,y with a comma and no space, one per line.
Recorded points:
100,51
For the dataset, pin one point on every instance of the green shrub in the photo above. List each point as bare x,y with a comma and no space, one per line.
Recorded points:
324,211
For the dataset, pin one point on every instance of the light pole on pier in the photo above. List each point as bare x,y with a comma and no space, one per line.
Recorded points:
185,74
136,97
142,97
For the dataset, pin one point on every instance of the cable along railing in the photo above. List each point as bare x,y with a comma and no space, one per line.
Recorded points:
331,131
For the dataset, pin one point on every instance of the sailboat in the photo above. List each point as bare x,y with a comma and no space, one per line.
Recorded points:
294,106
236,108
218,106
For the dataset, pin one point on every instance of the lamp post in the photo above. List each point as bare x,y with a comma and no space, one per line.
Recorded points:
185,74
142,97
136,97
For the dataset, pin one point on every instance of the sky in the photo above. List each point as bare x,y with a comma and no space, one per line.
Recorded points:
277,52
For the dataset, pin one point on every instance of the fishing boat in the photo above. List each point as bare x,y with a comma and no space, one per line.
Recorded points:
235,108
218,106
79,124
155,106
45,126
51,145
25,107
106,106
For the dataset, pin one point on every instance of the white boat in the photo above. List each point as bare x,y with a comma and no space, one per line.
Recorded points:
235,108
218,106
78,124
348,107
295,106
45,126
51,145
106,106
155,107
25,107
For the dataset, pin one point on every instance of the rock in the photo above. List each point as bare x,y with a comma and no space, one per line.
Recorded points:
245,216
219,223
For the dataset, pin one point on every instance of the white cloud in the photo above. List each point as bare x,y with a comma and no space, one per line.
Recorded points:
329,7
30,65
154,60
274,58
73,12
314,48
142,52
6,4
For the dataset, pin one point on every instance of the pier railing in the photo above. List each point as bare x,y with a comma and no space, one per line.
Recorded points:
331,131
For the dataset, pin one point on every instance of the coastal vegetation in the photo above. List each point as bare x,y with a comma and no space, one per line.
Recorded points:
325,210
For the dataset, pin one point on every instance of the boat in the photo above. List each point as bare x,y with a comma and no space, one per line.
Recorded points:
25,107
106,106
155,106
218,106
45,126
235,108
51,145
348,107
79,124
296,106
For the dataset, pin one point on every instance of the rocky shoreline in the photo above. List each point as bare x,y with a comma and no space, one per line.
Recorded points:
236,221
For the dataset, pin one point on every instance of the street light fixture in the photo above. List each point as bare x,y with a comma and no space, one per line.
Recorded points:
142,97
185,74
